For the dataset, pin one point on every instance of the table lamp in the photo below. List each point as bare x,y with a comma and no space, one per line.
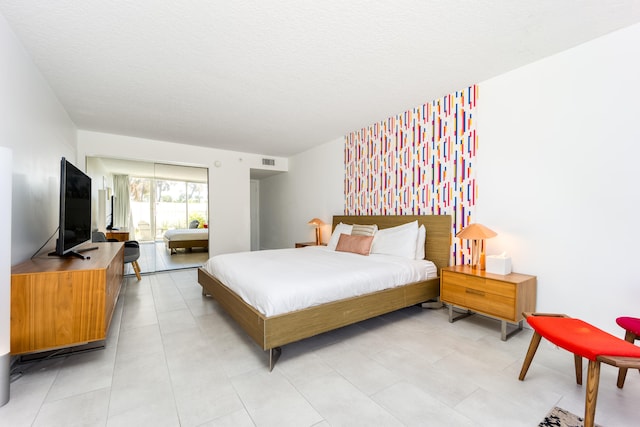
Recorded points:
317,222
476,233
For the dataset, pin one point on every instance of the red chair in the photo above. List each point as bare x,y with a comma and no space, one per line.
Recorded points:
632,327
583,340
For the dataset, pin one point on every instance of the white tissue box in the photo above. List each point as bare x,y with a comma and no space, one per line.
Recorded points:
498,264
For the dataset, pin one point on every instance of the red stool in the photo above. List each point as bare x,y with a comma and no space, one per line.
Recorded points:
632,327
583,340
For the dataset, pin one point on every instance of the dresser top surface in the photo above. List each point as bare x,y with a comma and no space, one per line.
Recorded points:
97,259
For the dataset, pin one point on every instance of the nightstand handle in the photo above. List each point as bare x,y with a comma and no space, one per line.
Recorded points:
474,292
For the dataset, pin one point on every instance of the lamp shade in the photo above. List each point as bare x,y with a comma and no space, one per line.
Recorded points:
476,232
316,221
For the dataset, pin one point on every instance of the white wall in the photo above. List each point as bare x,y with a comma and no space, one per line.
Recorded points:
314,187
558,151
39,132
229,175
557,174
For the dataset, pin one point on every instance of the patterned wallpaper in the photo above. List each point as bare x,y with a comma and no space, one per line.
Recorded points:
419,162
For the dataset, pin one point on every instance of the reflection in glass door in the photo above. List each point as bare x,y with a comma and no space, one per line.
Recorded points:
161,208
162,197
171,206
181,209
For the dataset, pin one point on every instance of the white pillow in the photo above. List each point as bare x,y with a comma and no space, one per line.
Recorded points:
422,238
340,229
398,241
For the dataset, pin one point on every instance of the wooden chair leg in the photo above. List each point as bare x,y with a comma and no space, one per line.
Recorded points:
136,269
622,375
577,360
622,372
591,398
533,346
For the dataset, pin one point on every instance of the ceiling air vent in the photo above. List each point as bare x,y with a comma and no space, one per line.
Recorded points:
268,162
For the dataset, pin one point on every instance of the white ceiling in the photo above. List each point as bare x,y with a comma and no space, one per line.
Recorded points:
279,77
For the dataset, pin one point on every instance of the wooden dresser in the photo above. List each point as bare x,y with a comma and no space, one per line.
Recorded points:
503,297
63,302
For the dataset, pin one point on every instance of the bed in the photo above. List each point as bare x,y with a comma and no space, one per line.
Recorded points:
272,332
186,238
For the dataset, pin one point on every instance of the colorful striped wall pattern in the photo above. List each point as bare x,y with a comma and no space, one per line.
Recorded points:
419,162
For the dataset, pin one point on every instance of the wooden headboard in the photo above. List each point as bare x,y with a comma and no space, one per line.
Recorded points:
438,244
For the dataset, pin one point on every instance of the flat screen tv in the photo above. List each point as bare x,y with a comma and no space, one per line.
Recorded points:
75,210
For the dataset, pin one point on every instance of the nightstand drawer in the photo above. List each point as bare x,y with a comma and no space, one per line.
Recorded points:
479,300
500,288
491,304
452,293
462,280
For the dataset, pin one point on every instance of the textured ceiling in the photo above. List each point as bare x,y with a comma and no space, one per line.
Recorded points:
279,77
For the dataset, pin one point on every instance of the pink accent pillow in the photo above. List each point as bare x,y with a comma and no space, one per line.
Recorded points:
360,245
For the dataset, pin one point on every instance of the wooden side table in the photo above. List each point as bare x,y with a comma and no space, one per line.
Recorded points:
305,244
503,297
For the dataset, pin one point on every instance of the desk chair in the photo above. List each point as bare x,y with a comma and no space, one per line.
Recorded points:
131,250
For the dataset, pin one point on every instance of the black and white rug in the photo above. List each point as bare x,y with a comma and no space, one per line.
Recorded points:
559,417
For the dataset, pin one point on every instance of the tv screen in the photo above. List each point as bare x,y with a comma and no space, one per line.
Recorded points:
75,209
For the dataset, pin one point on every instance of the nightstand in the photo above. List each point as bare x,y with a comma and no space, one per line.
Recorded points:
305,244
503,297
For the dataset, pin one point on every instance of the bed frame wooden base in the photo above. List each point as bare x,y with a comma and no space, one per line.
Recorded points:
172,245
275,331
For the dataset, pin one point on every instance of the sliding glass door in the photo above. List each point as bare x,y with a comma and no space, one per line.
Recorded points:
179,203
163,200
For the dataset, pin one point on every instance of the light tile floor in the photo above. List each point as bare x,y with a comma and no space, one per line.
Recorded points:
173,358
155,257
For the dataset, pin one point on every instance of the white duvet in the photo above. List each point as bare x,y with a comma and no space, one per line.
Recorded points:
182,234
284,280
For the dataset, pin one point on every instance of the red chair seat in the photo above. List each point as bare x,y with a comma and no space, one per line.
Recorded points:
629,324
581,338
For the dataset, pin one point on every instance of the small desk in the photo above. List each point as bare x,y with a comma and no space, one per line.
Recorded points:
119,235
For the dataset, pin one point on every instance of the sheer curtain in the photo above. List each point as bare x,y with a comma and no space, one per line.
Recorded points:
122,209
